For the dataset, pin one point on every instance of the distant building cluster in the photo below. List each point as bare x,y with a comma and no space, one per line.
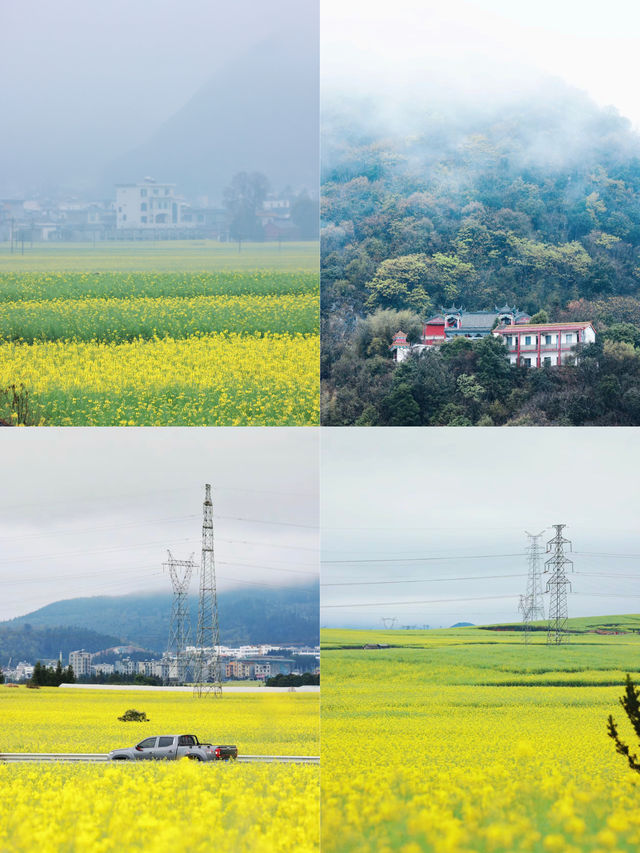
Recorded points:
244,662
144,210
528,344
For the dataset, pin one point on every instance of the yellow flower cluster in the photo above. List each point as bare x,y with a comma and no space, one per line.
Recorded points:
75,720
449,748
180,806
153,807
163,348
204,380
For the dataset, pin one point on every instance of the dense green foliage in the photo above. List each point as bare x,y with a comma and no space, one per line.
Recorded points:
631,704
51,676
31,641
282,680
533,204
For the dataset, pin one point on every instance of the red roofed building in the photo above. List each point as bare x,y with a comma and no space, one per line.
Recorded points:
455,322
544,343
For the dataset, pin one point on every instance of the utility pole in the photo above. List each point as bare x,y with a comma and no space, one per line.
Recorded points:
207,660
557,585
179,627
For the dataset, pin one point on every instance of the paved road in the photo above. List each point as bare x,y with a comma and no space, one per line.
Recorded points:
99,756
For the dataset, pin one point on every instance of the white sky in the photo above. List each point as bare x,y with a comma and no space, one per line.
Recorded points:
93,511
483,45
464,498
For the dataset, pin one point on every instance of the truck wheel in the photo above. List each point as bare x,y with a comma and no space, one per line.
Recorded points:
120,758
194,757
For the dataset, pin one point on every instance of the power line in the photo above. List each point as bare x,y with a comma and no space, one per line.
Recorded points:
423,580
57,532
424,559
427,601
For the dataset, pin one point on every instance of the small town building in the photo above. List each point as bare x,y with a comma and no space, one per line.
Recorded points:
80,662
148,204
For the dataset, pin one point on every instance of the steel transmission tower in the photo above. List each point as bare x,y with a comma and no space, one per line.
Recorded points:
207,678
531,606
557,585
180,572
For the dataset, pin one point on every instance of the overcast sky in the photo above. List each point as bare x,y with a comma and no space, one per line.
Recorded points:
486,47
83,82
436,513
93,511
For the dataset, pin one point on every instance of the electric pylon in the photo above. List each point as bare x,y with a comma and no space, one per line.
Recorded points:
531,606
389,621
534,577
207,658
557,585
524,610
179,627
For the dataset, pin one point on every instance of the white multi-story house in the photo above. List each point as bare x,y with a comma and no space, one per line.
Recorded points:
23,671
80,662
104,668
536,345
148,205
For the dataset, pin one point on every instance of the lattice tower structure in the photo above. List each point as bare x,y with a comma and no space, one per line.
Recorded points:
207,676
524,609
558,585
531,604
180,572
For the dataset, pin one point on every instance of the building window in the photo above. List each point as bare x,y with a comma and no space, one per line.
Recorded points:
527,340
547,339
143,193
124,217
143,206
569,338
527,362
547,360
143,219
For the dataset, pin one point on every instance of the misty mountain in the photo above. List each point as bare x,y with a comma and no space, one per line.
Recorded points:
258,113
532,202
278,616
26,642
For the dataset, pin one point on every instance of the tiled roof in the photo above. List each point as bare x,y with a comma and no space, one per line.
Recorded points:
536,327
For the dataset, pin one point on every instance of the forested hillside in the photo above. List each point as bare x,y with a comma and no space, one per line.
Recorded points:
533,203
280,615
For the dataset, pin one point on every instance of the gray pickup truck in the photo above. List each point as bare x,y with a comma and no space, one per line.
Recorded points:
170,747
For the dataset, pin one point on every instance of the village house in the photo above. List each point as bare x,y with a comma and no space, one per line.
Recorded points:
545,343
528,345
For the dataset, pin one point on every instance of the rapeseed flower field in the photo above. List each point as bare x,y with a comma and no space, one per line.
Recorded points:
107,348
468,741
181,806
